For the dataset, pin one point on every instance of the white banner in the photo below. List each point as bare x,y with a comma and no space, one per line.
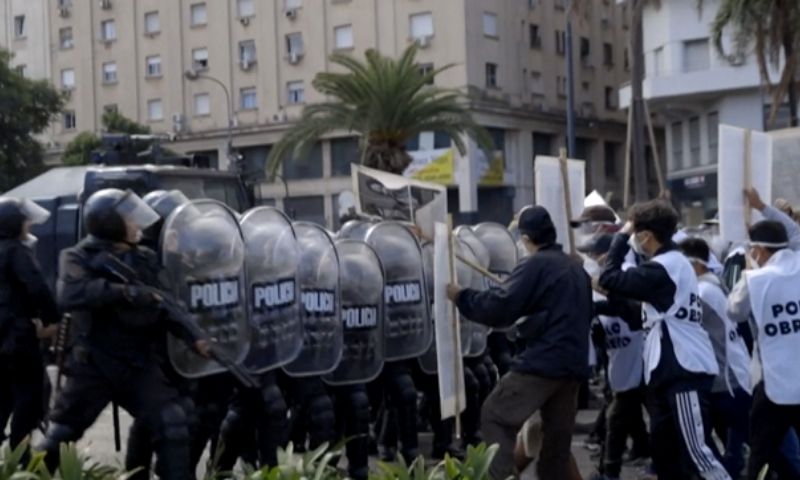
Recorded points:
550,192
394,197
448,344
733,178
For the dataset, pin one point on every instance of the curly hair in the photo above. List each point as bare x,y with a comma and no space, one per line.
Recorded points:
656,216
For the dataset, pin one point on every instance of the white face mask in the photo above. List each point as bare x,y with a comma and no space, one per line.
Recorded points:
752,260
30,241
592,267
523,252
636,245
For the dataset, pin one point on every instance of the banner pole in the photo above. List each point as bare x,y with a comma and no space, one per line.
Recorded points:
456,330
748,181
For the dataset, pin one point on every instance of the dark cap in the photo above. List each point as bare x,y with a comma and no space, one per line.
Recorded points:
597,245
535,222
595,213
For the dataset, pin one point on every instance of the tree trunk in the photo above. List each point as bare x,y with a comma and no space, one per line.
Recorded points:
788,50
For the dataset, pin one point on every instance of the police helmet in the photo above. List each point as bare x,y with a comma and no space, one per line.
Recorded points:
15,212
107,212
165,202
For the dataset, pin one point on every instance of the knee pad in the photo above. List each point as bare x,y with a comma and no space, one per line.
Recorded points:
274,404
172,423
470,380
405,391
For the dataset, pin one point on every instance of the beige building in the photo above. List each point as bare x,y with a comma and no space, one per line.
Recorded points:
131,55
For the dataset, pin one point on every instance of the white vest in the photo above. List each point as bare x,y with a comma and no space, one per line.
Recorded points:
775,302
624,354
690,341
737,359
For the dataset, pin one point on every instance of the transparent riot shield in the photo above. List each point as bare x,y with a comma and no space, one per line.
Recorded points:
271,257
427,361
203,255
407,329
502,249
318,281
354,229
361,278
479,333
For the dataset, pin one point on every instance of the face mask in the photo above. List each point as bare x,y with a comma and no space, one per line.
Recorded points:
592,267
752,260
30,241
636,245
523,252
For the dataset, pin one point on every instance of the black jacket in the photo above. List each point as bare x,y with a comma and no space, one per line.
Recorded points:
24,295
648,282
106,323
555,293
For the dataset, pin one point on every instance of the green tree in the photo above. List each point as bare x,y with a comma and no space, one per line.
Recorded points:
386,102
772,29
115,122
80,149
26,109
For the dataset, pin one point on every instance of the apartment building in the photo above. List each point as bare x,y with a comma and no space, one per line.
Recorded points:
258,58
694,90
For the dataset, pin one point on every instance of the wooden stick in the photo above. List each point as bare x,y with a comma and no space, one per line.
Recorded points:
456,327
562,159
626,189
748,181
654,148
486,273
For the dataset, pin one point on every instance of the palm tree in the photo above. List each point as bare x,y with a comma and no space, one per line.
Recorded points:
772,27
386,102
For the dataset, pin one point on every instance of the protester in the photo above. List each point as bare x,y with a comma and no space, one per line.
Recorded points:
679,363
730,393
553,293
768,295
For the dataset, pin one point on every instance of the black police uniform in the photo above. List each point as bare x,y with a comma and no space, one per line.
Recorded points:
115,358
24,295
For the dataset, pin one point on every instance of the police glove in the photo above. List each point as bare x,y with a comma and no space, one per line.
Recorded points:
140,297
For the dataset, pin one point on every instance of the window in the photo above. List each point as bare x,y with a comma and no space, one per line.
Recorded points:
69,120
247,53
608,55
626,60
344,152
611,98
677,144
200,59
658,61
532,4
108,30
65,38
586,50
199,14
309,209
610,154
421,25
153,66
542,144
255,161
295,92
294,43
245,8
559,4
292,4
585,86
307,167
696,55
202,104
68,79
694,140
64,3
537,87
561,86
110,72
343,37
155,110
561,42
21,70
490,24
426,69
152,23
535,37
713,135
19,26
491,75
247,98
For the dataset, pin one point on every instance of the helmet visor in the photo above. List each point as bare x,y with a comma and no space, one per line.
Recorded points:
134,210
33,212
169,202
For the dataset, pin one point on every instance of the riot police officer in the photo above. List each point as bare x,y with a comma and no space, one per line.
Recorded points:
24,295
116,327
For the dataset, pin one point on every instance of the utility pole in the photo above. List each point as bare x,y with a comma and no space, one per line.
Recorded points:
638,120
570,84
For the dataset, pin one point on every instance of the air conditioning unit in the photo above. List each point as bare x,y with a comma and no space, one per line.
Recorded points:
105,4
291,13
63,11
245,21
295,57
178,123
424,41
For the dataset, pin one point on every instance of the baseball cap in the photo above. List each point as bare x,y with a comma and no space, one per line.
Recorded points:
597,245
534,219
595,213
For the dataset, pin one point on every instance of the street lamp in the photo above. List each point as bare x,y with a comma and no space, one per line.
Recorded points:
193,75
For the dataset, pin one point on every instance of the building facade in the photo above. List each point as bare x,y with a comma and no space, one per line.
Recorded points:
694,90
261,56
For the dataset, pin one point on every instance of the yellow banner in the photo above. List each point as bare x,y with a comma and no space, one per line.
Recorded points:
438,166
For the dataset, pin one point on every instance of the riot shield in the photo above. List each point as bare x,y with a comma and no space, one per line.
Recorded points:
407,329
271,257
502,249
427,361
354,229
478,333
318,279
203,255
361,278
